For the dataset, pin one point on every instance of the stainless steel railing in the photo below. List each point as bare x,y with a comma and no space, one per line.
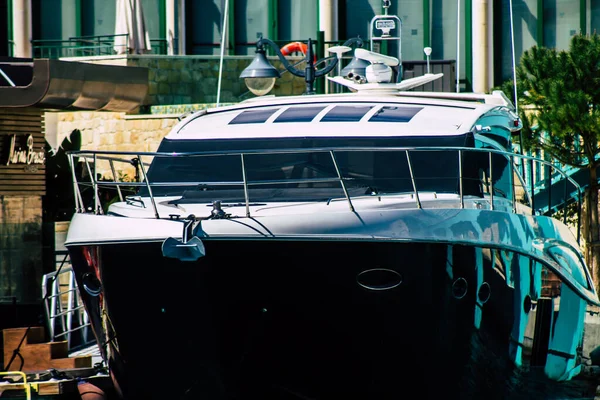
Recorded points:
66,317
523,189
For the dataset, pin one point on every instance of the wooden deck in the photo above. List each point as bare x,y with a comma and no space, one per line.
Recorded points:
36,369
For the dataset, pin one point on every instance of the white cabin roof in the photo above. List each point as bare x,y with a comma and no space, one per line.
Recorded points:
335,115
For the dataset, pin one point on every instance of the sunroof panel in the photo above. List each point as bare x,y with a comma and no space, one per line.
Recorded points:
346,113
395,114
299,114
252,116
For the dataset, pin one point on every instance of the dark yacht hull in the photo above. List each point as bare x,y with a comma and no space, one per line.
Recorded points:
319,319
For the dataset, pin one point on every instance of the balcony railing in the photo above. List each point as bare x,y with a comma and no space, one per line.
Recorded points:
86,46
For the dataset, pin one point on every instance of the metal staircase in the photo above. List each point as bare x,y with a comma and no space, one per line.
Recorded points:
66,317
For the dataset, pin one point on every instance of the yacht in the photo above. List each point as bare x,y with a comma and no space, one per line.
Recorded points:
363,244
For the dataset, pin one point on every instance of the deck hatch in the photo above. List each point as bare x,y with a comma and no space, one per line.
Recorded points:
346,114
253,116
299,114
395,114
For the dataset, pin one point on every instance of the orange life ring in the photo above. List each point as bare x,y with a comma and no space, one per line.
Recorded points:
294,47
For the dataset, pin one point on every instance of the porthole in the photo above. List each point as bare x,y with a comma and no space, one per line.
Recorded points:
484,292
379,279
527,305
459,288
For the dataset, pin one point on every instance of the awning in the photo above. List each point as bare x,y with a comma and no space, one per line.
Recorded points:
56,84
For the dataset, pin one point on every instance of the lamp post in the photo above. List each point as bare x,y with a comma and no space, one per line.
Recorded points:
260,75
427,51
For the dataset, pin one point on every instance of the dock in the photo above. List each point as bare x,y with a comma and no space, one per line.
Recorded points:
36,369
84,384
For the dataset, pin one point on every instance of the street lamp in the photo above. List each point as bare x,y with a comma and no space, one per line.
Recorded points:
427,51
260,75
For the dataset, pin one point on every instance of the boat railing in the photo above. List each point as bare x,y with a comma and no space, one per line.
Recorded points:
100,171
66,317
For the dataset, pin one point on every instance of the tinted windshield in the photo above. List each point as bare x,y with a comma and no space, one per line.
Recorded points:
364,172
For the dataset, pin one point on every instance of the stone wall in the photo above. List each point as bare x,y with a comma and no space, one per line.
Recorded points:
112,131
20,249
195,79
115,130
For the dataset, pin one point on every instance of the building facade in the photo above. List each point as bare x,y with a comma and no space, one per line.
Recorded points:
478,34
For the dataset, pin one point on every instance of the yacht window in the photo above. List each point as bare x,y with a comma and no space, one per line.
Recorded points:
346,113
366,171
395,114
299,114
252,116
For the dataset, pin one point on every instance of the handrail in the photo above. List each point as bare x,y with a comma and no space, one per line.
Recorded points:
517,186
64,309
412,179
26,385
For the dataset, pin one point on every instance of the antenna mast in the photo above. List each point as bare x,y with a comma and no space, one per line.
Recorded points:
386,5
457,46
514,68
387,27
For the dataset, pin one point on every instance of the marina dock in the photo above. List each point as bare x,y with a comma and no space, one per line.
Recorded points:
39,369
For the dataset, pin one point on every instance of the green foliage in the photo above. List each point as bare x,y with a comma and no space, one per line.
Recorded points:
559,100
572,211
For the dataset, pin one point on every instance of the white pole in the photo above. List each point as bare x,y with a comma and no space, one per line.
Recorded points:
480,45
170,24
512,39
22,28
181,26
223,41
458,46
328,19
10,82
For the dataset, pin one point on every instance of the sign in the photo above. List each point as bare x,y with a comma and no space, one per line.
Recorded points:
20,151
385,25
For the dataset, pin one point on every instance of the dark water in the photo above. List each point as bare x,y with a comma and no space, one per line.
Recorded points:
488,376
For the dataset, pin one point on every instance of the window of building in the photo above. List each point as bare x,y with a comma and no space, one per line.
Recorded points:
97,17
525,22
593,22
561,23
297,20
204,21
251,23
446,26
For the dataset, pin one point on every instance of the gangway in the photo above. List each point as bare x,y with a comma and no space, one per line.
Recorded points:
67,319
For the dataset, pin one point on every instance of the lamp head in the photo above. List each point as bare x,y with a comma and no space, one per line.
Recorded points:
260,75
427,51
